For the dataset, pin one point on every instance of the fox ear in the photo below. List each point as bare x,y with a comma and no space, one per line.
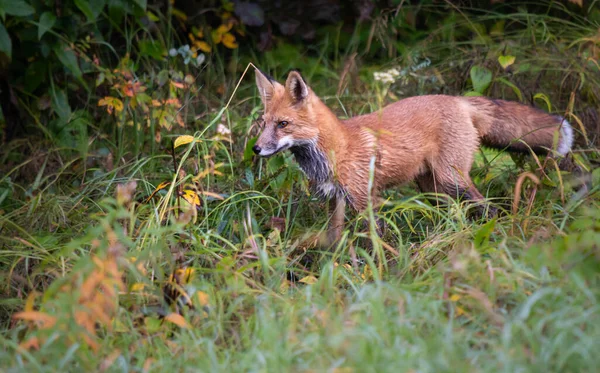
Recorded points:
296,86
266,86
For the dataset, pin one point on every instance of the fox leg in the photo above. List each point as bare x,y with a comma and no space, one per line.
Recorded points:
458,189
336,222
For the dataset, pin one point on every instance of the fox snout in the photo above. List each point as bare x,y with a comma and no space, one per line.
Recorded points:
269,143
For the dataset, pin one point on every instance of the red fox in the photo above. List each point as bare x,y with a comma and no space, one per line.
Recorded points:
429,139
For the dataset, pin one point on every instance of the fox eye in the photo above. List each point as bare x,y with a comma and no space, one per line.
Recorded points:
282,124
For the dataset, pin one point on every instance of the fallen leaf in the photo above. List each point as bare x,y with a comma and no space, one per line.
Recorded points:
177,319
310,280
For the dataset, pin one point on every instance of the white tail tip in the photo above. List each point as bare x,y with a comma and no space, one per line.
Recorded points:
566,138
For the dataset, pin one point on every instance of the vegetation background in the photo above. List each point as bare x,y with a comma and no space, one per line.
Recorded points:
139,233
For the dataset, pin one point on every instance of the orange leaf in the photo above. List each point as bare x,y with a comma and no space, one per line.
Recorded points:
46,320
147,364
109,360
160,187
173,102
202,298
177,319
177,84
32,342
89,285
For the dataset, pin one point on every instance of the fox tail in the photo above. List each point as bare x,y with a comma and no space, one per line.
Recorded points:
517,127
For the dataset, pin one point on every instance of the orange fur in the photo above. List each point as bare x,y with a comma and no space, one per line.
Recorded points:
430,139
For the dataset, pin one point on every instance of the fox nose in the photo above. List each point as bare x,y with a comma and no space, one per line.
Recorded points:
256,149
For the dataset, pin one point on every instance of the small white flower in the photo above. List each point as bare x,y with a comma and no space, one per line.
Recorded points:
172,52
200,59
223,130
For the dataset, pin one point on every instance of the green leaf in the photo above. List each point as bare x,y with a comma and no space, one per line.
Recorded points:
116,10
17,8
248,153
544,98
141,3
514,87
5,42
60,104
481,78
482,237
506,61
47,20
68,58
162,77
152,49
91,9
151,16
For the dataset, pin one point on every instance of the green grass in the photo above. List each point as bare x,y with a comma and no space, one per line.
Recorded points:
439,291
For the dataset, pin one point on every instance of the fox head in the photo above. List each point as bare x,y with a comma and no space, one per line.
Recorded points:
289,117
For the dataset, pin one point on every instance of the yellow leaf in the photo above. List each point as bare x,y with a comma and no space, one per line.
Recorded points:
578,2
284,287
160,187
179,14
191,197
506,61
151,16
455,297
111,103
138,286
224,28
183,140
30,300
229,41
177,319
310,280
182,276
343,370
367,273
203,46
